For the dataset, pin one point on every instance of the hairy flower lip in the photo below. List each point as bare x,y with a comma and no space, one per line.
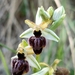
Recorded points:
37,43
19,66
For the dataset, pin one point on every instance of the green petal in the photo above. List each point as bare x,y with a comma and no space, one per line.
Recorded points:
49,34
42,72
26,34
58,13
32,61
57,22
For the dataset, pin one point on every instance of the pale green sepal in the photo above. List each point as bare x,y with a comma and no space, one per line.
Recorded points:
50,11
45,16
24,43
27,33
42,72
58,13
38,19
49,34
57,22
32,61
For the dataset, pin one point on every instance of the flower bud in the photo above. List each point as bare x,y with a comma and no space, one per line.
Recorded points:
45,16
61,71
50,11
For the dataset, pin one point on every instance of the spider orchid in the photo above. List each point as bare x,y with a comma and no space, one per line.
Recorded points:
38,31
23,59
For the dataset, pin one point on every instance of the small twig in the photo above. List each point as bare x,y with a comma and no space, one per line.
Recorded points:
69,35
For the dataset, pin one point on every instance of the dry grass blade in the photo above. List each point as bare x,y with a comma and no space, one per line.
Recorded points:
69,36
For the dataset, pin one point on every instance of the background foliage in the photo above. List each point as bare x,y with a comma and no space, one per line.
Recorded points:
12,16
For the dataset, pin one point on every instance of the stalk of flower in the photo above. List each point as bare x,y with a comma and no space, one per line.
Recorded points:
23,59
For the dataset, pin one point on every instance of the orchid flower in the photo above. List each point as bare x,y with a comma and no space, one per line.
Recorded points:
24,58
43,19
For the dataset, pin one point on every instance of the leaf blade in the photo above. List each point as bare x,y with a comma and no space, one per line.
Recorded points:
14,51
4,63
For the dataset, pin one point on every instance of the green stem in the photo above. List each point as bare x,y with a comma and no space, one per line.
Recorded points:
38,58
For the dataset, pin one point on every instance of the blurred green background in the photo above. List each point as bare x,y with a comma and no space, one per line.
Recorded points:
12,16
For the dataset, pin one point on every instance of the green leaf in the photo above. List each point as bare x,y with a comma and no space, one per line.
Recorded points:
32,61
57,22
58,13
14,51
26,34
42,72
4,63
49,34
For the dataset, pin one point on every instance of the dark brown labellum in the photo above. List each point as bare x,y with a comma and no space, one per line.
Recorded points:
37,43
19,67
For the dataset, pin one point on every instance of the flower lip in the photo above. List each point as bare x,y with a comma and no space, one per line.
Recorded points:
37,43
19,67
37,33
37,51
